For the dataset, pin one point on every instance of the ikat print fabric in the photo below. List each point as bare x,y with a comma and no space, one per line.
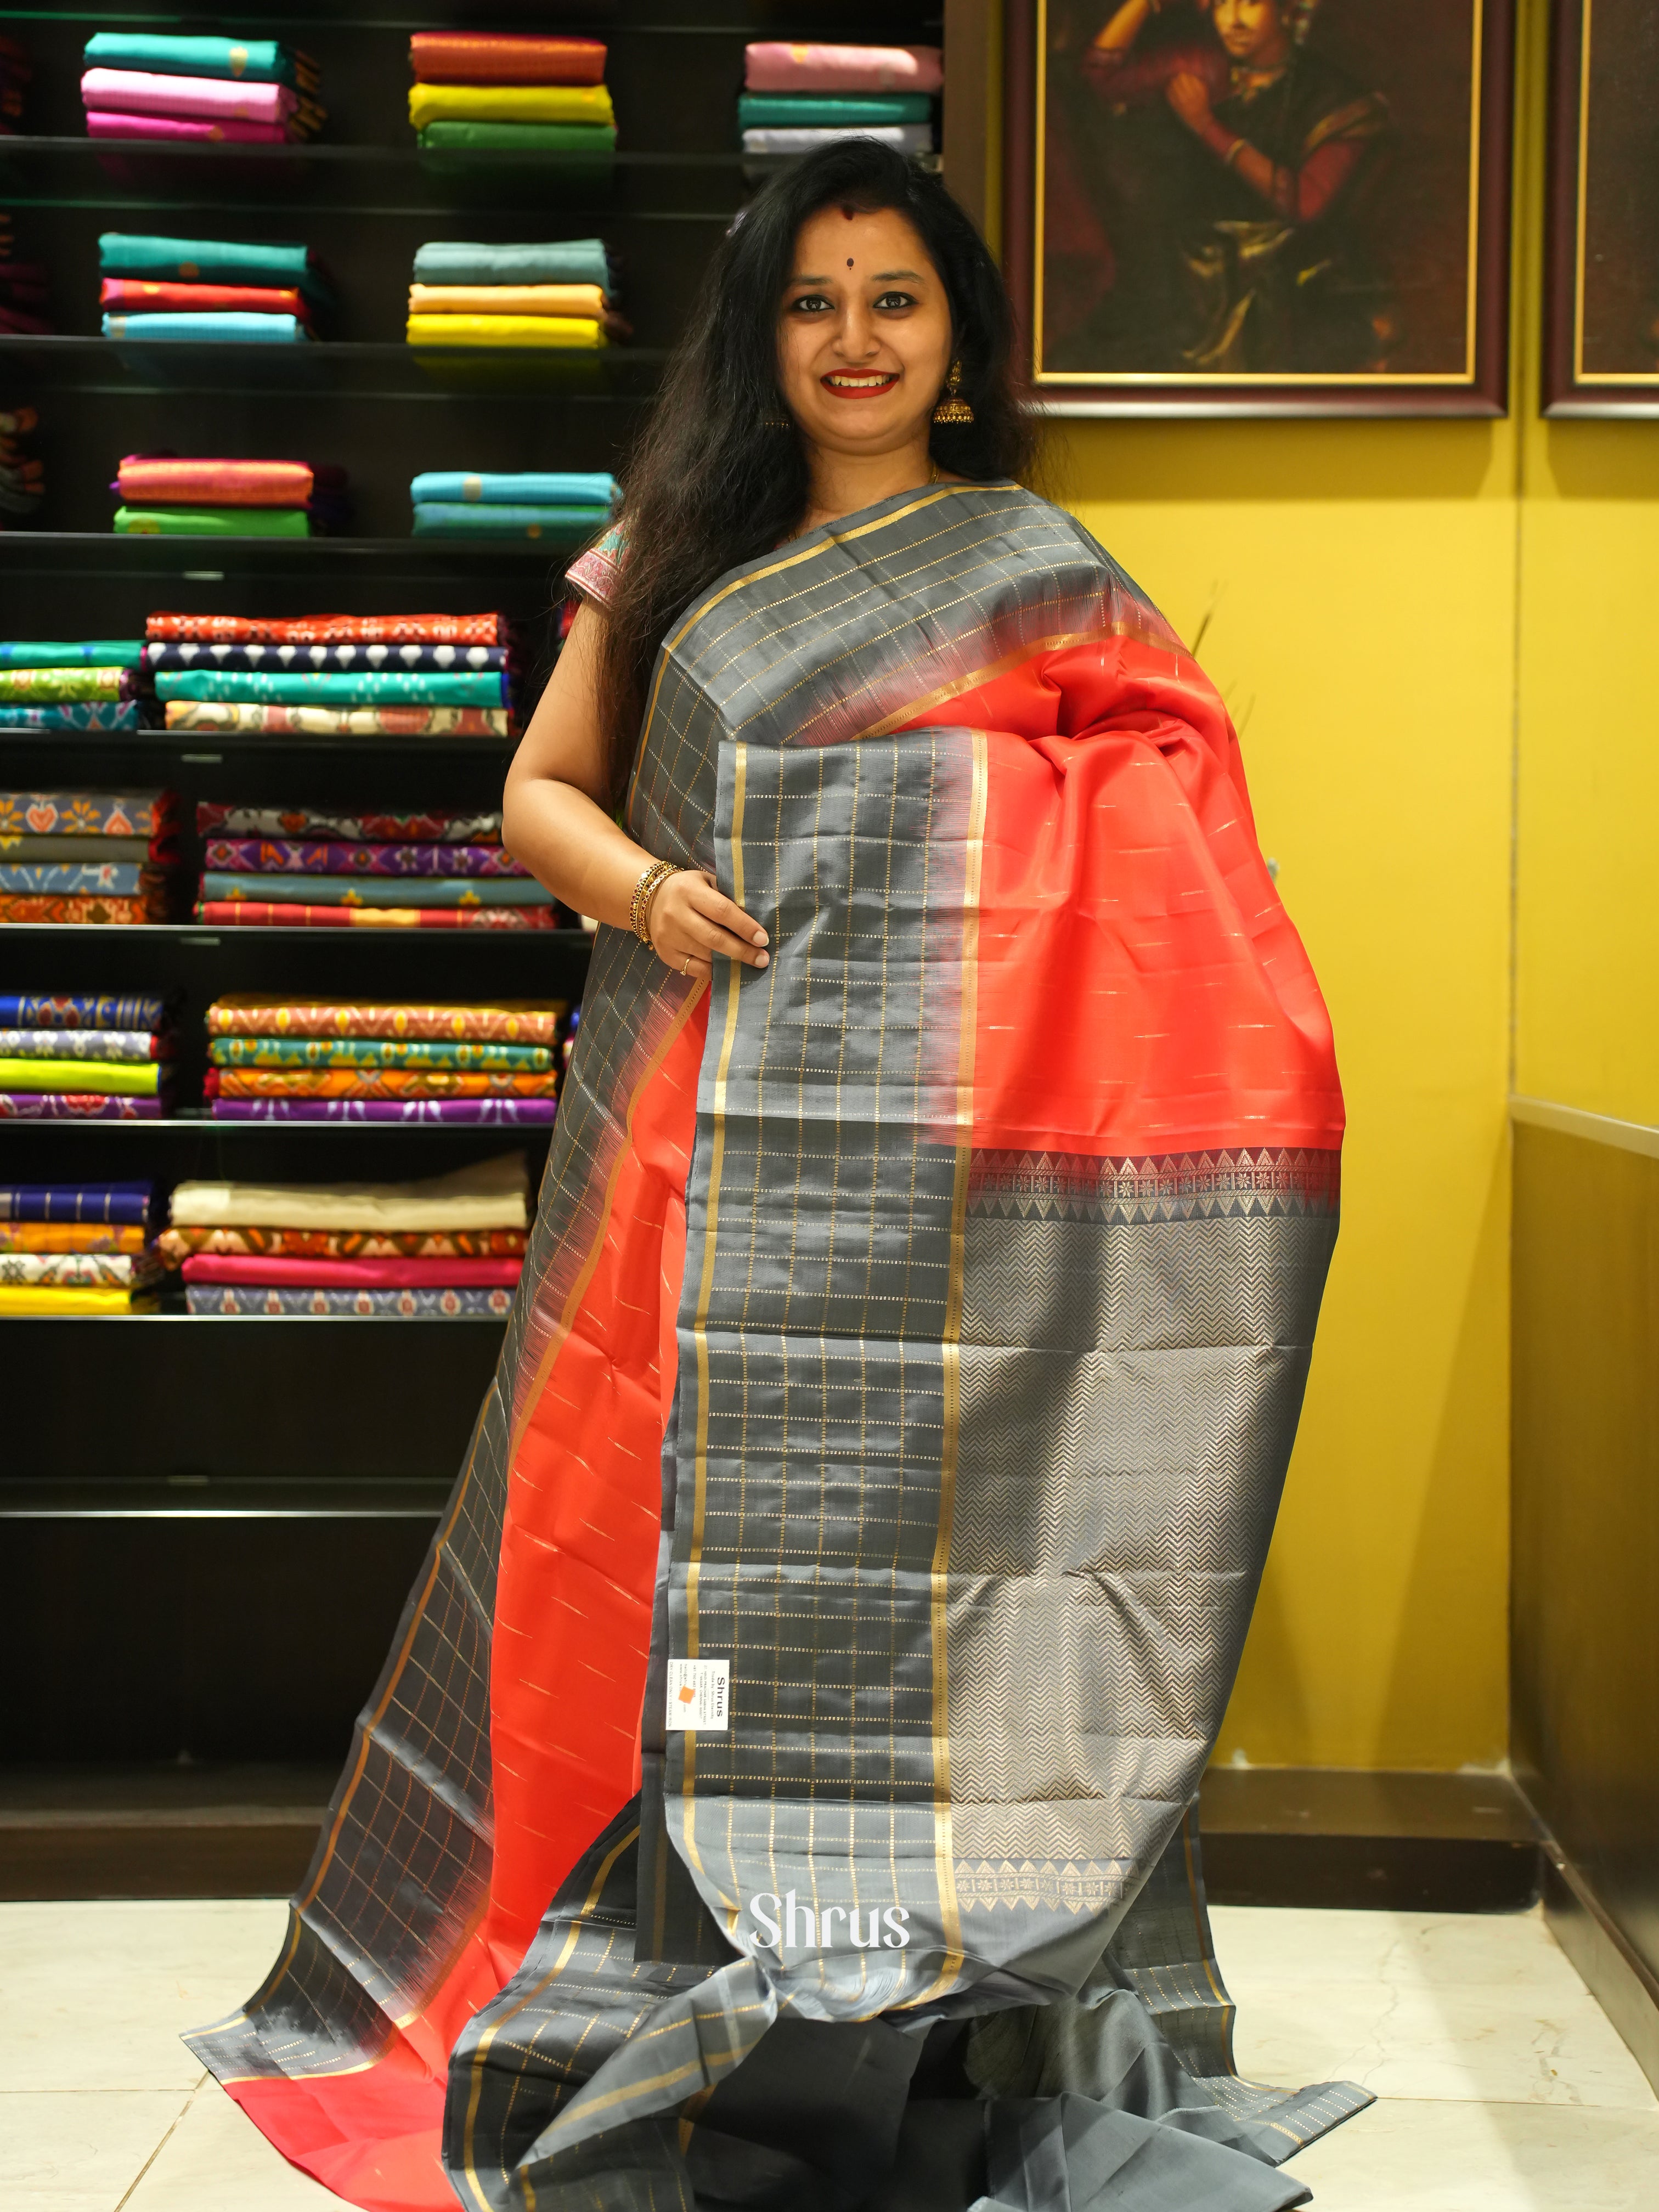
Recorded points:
473,1113
341,721
75,1247
315,1054
351,1305
507,1021
451,1248
49,871
331,629
215,818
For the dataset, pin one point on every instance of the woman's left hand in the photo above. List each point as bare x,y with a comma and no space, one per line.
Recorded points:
691,920
1189,96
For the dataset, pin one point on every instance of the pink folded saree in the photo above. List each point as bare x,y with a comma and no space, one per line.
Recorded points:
216,483
780,65
103,124
352,1274
206,99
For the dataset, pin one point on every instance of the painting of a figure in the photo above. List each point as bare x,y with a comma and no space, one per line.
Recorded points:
1257,191
1604,224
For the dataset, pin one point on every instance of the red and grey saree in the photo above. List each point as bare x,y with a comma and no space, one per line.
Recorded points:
780,1791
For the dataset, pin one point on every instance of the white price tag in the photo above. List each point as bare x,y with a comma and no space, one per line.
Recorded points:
699,1694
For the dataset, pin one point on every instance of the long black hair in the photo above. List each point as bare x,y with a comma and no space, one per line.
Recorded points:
711,481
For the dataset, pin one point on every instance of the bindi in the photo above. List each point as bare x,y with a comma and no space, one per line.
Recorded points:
849,260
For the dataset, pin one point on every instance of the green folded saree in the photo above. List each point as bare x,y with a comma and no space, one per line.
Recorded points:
212,521
597,139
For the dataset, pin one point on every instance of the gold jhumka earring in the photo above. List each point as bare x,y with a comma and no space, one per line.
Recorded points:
951,407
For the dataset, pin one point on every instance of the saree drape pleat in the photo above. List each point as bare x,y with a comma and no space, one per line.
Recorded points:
901,1382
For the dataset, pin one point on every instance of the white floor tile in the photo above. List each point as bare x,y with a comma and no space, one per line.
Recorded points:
96,1995
78,2150
1474,1950
1440,2040
216,2160
1404,2156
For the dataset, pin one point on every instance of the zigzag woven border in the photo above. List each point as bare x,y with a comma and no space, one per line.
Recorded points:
1274,1182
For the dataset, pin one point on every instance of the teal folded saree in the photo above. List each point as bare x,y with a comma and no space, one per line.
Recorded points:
442,518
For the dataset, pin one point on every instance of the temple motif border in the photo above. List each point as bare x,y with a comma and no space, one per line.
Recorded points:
1479,387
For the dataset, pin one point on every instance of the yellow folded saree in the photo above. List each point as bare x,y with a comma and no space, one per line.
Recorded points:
566,332
25,1299
127,1079
583,302
510,103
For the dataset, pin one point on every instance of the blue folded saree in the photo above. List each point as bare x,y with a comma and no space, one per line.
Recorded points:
375,891
463,518
203,329
73,878
560,261
85,652
368,687
544,488
245,61
80,1010
81,715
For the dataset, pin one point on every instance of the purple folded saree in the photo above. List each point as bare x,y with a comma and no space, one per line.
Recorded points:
481,1112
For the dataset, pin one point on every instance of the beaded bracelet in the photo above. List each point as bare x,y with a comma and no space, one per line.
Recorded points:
645,892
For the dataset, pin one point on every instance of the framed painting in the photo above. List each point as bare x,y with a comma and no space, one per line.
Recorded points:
1602,276
1262,207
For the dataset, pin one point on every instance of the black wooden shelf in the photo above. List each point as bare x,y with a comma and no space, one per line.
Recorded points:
197,1497
364,368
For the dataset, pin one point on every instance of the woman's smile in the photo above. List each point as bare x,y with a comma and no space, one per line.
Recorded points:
860,383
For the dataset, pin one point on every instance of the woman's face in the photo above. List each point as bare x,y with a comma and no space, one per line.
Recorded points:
864,333
1252,31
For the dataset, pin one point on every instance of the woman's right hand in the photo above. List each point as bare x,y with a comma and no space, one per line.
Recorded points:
691,920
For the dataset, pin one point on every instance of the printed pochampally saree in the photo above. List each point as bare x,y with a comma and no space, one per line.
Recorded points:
780,1793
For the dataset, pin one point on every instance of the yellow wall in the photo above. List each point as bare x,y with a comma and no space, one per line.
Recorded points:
1587,908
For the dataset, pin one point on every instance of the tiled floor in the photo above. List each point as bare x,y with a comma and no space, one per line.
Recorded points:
1503,2088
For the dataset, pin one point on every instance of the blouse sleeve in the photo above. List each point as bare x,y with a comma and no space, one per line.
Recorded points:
594,574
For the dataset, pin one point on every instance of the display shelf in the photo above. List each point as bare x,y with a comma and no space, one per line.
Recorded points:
365,368
219,1497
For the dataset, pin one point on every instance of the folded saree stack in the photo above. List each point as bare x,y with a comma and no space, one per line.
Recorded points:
88,684
561,505
76,1247
234,92
447,1248
318,868
74,1056
560,294
239,646
309,1059
543,98
86,856
22,472
797,96
225,291
162,496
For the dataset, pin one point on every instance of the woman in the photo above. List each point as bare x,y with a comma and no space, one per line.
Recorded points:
1229,164
846,1582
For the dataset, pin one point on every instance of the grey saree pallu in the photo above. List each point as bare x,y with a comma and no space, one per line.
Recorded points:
780,1792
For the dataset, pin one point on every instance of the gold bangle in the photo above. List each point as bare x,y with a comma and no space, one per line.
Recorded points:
645,892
